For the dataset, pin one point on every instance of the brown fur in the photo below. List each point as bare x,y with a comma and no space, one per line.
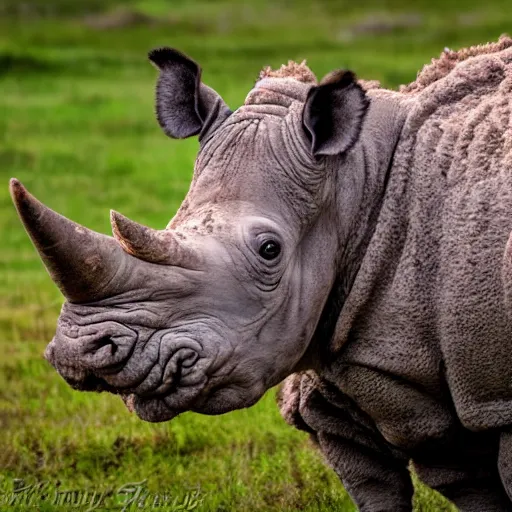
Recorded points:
302,73
299,72
440,67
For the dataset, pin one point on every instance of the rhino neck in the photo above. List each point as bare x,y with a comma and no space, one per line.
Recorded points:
361,184
362,179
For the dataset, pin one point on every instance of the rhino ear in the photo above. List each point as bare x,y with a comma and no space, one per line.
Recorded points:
334,113
184,106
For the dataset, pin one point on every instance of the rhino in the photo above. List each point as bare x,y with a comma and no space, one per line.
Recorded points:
349,240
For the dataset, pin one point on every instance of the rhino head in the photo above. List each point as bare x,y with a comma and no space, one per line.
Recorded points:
222,304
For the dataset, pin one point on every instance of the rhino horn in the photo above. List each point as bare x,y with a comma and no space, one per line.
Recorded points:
81,262
151,245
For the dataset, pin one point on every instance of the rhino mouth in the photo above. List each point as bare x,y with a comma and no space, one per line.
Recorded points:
153,405
154,410
91,382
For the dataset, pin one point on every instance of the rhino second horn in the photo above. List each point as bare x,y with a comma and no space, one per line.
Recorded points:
151,245
81,262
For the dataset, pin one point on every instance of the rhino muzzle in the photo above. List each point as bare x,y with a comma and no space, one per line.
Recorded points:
166,367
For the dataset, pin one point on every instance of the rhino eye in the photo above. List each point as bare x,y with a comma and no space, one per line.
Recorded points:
269,250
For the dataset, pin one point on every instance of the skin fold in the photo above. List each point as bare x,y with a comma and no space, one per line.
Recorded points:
347,239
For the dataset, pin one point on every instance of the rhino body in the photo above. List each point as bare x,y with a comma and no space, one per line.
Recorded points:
349,239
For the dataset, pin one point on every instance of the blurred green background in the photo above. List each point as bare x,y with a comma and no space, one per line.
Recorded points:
77,127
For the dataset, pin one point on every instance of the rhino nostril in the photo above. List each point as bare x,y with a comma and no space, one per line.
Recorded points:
190,359
103,342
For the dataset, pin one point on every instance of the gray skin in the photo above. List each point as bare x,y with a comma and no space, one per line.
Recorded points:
208,314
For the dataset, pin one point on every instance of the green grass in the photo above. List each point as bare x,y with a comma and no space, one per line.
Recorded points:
77,127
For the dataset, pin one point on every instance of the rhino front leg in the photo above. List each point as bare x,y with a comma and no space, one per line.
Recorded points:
375,475
505,462
475,488
375,480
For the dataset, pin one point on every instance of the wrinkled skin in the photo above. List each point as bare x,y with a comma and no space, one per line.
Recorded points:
240,290
201,321
268,269
197,355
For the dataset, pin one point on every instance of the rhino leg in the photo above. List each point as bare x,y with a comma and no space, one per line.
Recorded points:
375,481
505,462
375,475
474,488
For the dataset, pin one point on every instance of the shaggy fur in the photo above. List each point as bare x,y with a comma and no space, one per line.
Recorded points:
442,66
294,70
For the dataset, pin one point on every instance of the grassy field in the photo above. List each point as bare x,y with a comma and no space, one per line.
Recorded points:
77,127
